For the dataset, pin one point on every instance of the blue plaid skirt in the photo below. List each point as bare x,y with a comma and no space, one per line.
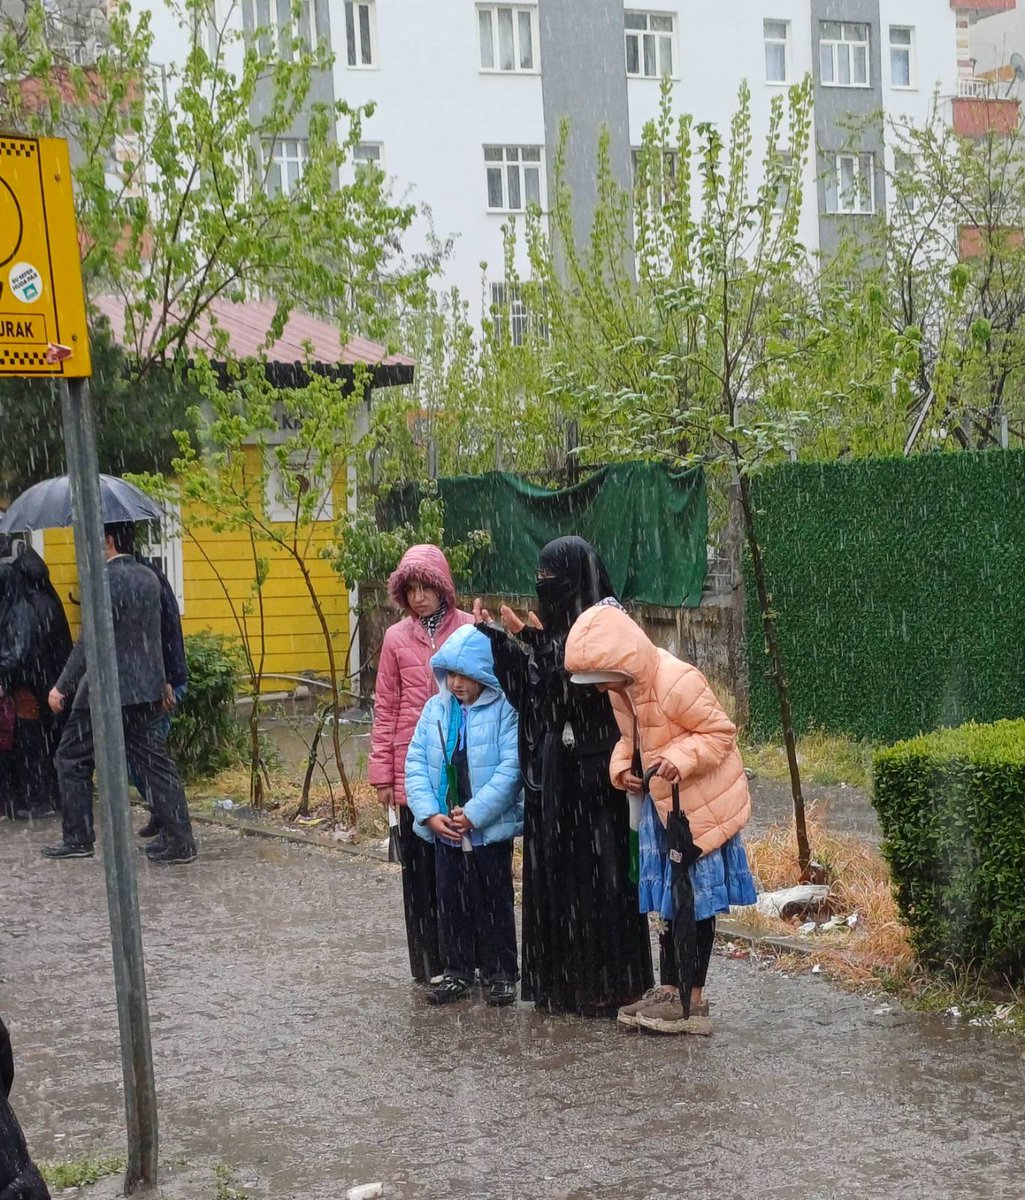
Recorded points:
719,879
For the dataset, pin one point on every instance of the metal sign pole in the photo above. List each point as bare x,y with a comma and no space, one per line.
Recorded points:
112,782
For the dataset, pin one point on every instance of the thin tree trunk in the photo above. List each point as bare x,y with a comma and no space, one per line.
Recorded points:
776,670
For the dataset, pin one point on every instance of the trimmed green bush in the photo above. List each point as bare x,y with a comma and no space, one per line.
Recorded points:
952,809
897,586
205,736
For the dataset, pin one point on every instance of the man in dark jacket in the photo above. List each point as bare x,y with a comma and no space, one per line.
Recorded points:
135,603
176,672
19,1176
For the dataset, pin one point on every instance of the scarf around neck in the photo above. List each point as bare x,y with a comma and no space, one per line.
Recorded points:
432,622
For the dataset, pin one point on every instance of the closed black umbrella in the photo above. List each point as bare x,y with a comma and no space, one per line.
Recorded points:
47,505
682,856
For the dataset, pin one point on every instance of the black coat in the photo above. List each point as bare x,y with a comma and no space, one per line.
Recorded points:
586,947
19,1178
135,603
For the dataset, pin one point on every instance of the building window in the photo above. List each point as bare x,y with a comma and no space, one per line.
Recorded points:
289,485
660,183
784,168
514,177
368,154
649,44
284,159
359,33
512,320
902,55
508,37
844,54
851,187
268,16
162,544
777,51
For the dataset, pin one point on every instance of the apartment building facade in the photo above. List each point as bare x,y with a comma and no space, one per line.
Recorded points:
470,96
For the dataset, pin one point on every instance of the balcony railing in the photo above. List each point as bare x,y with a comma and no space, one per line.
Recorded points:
979,89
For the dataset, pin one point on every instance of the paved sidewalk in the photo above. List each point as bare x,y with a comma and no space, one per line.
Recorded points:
289,1043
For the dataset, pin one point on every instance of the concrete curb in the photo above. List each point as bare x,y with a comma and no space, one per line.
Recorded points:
293,836
726,930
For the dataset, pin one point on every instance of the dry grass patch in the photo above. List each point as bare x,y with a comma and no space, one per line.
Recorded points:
859,884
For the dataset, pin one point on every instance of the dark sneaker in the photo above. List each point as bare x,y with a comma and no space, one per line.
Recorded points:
167,855
501,993
449,990
667,1017
150,829
627,1014
67,850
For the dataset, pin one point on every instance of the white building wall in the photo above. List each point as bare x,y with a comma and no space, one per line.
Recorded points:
995,38
436,109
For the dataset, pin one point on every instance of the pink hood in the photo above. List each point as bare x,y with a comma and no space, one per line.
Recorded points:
426,565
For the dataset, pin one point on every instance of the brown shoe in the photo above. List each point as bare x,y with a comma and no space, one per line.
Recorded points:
627,1015
668,1017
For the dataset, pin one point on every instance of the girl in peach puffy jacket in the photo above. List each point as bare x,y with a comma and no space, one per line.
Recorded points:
423,588
671,723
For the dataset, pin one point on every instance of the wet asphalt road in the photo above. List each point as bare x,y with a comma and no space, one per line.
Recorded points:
289,1042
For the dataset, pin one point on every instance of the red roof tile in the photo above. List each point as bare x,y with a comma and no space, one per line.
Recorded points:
246,325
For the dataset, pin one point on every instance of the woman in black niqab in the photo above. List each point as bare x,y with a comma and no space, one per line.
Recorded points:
586,947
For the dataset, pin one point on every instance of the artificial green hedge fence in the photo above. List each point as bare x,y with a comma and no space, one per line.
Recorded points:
898,587
952,809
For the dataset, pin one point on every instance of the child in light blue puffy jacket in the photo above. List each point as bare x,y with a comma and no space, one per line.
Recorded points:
464,789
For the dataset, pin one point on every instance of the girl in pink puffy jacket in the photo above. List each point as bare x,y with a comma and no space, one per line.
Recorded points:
422,586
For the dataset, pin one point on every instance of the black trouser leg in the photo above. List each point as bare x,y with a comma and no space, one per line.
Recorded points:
495,925
419,901
75,776
669,974
706,940
456,897
149,761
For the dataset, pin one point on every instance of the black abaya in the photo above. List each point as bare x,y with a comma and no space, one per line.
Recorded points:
586,947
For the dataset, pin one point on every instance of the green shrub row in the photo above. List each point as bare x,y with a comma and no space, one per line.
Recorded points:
952,809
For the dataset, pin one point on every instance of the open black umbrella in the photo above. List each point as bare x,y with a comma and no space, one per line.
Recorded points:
47,505
682,856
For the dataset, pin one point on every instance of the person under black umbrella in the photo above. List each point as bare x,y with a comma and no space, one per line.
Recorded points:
688,747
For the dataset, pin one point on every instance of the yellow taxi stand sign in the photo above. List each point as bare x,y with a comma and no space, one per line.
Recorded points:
43,329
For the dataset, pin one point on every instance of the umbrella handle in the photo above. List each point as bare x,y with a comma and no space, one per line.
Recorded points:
649,775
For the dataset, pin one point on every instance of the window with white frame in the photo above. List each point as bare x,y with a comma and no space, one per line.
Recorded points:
513,177
162,543
508,37
650,44
359,33
844,54
850,187
290,484
902,56
285,159
270,16
781,181
512,318
777,51
368,154
659,178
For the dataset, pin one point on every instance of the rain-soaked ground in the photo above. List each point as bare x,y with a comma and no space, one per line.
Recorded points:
289,1042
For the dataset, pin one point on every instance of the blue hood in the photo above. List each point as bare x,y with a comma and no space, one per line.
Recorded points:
468,652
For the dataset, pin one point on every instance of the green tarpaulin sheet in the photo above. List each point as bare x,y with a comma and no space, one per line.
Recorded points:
649,524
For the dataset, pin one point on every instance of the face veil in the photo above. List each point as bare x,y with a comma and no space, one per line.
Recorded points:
576,580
